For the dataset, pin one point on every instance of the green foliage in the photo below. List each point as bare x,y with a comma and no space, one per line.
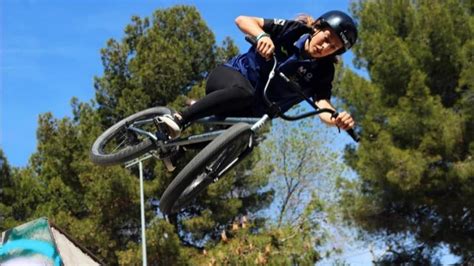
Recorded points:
415,160
275,246
157,60
7,193
409,254
227,51
163,247
20,193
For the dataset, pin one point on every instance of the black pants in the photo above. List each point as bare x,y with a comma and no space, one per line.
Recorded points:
228,93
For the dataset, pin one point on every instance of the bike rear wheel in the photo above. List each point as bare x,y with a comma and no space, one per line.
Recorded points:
207,166
120,144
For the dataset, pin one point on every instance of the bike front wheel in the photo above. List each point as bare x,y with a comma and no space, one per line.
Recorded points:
207,166
120,143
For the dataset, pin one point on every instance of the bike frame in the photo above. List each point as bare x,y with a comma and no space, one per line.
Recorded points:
208,136
165,145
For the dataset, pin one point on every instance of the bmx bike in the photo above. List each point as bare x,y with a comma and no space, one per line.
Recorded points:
142,133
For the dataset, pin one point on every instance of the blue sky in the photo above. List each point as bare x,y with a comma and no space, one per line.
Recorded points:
50,51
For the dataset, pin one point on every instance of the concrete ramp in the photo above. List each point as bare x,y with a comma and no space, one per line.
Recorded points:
40,242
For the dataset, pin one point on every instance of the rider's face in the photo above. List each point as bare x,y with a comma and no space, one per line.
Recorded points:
324,42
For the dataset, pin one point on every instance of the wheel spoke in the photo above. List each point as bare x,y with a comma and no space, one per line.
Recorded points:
125,140
228,166
216,164
120,144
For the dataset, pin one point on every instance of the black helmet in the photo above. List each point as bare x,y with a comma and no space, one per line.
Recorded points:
343,25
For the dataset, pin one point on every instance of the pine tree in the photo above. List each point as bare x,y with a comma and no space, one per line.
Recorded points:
6,192
20,191
414,163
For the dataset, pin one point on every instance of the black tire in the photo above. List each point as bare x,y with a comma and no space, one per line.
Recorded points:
133,149
225,151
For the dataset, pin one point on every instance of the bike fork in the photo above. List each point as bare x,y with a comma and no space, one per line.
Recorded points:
160,137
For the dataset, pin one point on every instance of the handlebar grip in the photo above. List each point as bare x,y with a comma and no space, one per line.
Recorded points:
251,40
350,131
353,135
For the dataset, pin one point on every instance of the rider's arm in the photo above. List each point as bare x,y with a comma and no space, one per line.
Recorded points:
268,31
326,117
253,26
344,120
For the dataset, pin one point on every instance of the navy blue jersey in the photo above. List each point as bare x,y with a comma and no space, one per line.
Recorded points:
313,75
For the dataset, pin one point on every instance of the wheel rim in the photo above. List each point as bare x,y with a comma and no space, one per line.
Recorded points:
125,137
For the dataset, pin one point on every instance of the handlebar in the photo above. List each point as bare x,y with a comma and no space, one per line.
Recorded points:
295,87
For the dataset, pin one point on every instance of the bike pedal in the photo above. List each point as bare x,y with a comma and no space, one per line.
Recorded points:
158,121
169,164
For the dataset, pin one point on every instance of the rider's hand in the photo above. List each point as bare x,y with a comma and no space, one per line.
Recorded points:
265,47
344,121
